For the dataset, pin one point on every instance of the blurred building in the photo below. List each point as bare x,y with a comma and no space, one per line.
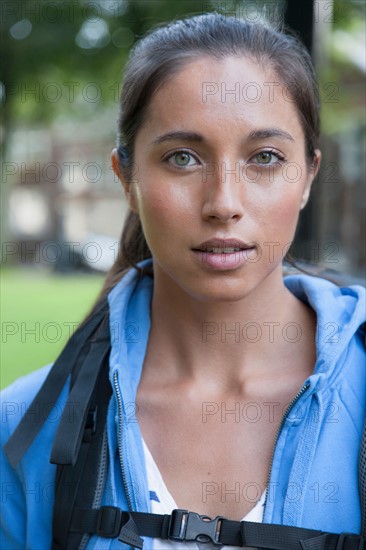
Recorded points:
66,207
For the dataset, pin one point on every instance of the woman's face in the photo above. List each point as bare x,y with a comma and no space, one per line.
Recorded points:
220,157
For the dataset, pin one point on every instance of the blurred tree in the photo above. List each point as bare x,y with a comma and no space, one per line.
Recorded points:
62,55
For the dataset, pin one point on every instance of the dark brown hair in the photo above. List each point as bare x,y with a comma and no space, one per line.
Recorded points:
158,56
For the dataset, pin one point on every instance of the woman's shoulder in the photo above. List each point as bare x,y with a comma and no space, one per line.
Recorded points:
18,396
29,383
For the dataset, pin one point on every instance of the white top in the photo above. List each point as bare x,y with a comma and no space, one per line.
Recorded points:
162,502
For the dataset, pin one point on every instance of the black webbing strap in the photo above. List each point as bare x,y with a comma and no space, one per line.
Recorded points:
71,428
362,479
31,423
184,526
67,487
362,459
81,484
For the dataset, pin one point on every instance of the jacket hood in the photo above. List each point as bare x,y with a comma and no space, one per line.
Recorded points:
340,313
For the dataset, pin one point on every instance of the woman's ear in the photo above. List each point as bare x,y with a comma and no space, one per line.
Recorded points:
313,171
127,187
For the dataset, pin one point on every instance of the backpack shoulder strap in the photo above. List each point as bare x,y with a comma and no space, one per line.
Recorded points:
362,479
362,461
69,434
80,481
80,444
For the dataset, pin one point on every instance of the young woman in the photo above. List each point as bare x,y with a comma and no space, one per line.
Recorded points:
236,392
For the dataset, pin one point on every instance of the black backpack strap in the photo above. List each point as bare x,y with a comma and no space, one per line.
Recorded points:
31,423
362,460
185,526
71,428
362,479
80,446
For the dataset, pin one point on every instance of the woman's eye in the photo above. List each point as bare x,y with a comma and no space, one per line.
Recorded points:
181,159
267,158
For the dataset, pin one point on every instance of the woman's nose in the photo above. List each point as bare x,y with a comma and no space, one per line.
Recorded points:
223,192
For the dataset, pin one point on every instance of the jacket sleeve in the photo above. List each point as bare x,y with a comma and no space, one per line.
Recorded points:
13,511
28,491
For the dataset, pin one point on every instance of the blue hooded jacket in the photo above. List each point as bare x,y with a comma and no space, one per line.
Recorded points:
314,473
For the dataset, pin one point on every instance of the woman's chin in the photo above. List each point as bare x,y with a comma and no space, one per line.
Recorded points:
220,291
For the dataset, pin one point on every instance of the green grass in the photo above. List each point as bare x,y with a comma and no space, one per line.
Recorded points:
38,314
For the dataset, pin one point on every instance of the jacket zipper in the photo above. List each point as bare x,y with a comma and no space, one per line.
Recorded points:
120,441
102,473
279,429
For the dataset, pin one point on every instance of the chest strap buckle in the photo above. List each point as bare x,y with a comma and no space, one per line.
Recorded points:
190,526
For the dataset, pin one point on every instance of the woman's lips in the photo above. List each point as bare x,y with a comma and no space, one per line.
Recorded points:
222,244
224,260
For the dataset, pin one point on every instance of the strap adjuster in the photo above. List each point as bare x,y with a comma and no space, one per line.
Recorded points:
346,540
90,424
108,522
190,526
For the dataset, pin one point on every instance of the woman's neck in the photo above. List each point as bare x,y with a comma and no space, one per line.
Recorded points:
225,344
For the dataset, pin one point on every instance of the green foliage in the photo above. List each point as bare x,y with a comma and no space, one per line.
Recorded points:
346,12
73,56
342,74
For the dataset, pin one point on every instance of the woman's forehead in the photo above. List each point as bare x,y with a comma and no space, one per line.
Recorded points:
228,94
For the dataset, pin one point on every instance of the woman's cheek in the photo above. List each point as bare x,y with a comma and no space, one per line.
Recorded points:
285,201
170,200
287,212
161,216
280,219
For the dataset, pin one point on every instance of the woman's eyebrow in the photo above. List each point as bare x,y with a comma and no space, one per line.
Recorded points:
265,133
180,136
262,133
